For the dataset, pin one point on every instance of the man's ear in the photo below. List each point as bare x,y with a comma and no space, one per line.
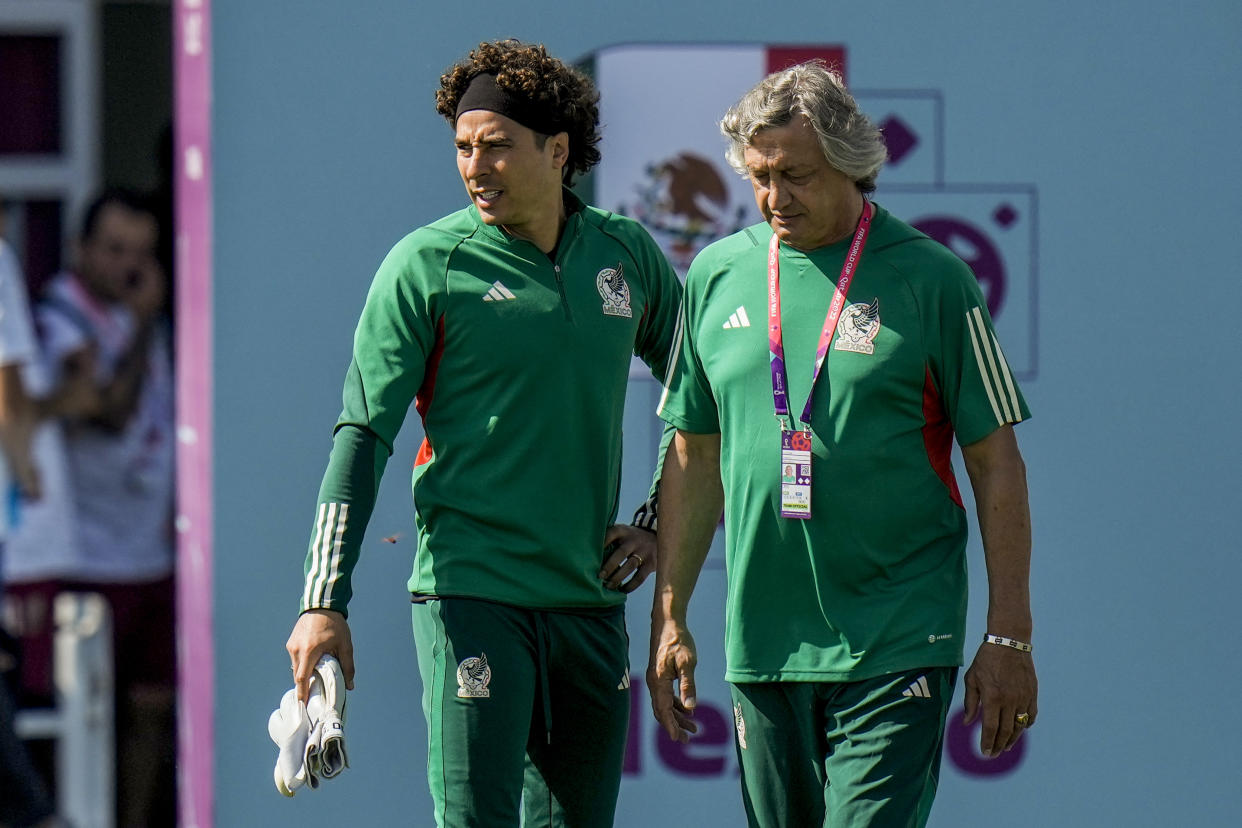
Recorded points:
560,149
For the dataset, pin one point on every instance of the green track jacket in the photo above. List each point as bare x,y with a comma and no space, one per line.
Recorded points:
518,364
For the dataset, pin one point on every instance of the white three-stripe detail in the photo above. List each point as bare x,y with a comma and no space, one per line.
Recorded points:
314,552
918,689
674,355
335,570
498,293
325,568
737,319
993,370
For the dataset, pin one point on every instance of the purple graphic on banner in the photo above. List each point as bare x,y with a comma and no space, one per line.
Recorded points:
994,228
702,756
1005,216
962,745
707,754
899,138
976,250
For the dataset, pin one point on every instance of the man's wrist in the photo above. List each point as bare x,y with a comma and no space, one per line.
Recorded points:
666,607
1005,641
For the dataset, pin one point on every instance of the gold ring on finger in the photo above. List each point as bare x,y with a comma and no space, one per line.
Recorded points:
1023,719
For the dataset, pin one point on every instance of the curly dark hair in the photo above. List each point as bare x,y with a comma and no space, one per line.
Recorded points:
527,70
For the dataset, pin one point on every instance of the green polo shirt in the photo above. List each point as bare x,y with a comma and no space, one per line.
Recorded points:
875,581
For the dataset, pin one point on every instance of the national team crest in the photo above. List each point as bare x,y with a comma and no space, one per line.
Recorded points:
614,291
473,676
740,724
858,327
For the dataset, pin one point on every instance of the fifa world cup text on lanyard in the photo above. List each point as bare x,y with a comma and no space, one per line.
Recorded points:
796,444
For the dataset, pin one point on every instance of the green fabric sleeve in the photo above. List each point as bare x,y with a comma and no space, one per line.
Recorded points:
394,337
687,402
659,330
648,512
346,499
967,362
660,318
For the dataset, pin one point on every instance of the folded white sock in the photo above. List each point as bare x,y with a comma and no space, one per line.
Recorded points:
289,726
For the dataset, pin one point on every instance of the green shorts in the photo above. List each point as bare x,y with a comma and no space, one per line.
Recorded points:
842,754
527,712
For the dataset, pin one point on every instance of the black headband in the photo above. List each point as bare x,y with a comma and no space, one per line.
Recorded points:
483,93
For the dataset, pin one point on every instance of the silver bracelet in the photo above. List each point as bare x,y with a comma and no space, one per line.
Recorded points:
1007,642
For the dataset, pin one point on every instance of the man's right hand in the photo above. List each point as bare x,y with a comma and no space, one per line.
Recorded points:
673,658
147,292
317,632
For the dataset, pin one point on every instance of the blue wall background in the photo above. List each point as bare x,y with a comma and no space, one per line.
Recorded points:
1124,116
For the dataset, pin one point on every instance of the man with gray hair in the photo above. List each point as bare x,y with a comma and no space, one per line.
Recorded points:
846,610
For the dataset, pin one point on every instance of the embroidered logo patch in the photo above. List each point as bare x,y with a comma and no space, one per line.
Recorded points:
858,326
740,724
614,291
473,676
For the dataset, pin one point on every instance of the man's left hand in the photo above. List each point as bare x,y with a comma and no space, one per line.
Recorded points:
1000,686
631,557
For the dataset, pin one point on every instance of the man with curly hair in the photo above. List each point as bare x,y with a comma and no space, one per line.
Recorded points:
510,325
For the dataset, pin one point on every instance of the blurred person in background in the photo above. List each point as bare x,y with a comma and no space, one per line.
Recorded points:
108,376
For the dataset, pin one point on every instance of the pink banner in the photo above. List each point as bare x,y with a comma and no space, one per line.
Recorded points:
195,653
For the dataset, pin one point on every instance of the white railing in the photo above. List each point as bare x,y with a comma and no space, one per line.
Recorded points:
82,723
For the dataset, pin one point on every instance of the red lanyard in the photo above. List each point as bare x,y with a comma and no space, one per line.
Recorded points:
780,382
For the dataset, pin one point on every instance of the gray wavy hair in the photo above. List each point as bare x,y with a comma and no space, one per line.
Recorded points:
851,143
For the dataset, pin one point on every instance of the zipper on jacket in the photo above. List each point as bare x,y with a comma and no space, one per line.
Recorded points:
560,285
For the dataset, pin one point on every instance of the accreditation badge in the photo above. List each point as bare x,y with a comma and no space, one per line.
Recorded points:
795,474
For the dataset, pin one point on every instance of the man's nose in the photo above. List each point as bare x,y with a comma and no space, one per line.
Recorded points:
476,164
778,194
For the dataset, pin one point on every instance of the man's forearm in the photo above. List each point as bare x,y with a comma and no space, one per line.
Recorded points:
16,428
691,500
12,412
119,398
647,514
346,497
998,478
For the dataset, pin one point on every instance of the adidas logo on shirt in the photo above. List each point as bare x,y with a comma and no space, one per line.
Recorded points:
737,319
918,689
625,681
498,293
